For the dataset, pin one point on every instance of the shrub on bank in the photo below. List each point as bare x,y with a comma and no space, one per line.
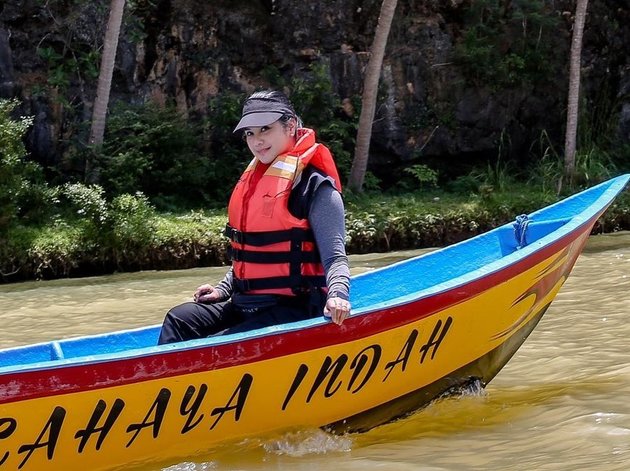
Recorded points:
23,192
410,221
133,236
189,240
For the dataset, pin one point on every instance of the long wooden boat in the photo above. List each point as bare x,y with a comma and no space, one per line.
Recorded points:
419,328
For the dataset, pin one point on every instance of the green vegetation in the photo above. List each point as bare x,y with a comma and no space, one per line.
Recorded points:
154,150
23,192
508,43
178,162
321,109
12,174
134,237
164,180
126,234
159,184
61,69
71,51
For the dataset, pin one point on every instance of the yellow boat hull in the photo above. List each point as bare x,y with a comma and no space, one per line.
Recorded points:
172,402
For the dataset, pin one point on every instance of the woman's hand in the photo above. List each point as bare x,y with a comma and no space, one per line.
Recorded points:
337,309
206,294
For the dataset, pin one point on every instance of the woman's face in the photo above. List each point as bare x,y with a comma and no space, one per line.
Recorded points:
268,142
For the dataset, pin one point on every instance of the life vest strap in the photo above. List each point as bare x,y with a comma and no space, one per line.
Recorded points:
277,282
239,255
259,239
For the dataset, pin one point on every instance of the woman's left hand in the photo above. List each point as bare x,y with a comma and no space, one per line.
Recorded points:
337,309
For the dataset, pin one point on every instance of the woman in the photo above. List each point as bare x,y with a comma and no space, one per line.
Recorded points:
287,230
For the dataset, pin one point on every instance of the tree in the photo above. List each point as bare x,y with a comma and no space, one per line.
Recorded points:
574,90
106,72
370,94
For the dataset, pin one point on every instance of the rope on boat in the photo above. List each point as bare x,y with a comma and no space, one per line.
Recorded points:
520,230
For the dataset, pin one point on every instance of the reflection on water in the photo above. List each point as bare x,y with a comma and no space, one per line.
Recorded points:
560,403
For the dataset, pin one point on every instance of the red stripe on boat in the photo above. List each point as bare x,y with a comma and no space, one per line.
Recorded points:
96,375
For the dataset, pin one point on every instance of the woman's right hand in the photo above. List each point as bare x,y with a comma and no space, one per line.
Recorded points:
206,294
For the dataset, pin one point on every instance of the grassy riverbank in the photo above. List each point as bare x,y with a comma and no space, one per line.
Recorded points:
130,235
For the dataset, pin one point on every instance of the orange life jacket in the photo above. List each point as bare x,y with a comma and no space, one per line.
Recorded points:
272,251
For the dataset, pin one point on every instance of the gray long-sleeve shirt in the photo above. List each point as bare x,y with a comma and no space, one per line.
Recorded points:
327,220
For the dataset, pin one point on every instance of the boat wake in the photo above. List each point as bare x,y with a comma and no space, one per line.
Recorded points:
190,466
307,442
474,388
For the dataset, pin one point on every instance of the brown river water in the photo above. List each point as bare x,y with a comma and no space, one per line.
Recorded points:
562,402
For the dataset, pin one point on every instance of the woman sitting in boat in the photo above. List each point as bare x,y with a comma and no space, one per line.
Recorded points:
287,230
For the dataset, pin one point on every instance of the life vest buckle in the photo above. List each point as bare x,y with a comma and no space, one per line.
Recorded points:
234,234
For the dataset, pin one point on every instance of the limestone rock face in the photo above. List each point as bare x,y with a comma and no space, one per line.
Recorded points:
430,105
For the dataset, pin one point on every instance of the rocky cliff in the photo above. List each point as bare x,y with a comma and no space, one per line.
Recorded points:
462,79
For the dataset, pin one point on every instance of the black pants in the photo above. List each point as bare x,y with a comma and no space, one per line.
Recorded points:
195,320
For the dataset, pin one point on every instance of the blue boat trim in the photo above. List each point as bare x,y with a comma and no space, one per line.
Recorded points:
449,267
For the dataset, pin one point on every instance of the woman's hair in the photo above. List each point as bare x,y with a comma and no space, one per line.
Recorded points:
278,97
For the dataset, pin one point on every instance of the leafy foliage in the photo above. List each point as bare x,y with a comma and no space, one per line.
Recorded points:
87,202
228,155
154,150
23,191
90,231
423,174
136,237
593,164
178,163
61,69
508,43
377,223
320,108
